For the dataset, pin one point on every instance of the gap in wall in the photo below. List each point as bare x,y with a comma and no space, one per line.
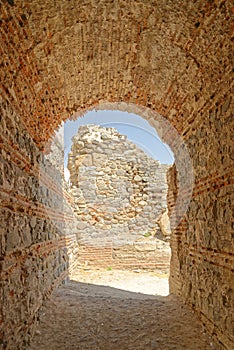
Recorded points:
138,260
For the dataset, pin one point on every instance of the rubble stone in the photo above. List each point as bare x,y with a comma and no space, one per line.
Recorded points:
105,191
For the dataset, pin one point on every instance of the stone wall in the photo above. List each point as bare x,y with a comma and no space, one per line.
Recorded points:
33,247
202,245
119,196
119,192
143,254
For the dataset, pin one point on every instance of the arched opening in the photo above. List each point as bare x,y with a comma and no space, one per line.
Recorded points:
120,196
180,182
60,58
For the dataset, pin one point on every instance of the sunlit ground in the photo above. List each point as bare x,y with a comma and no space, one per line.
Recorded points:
153,283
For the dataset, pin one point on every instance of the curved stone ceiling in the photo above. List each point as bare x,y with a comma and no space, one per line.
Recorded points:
58,58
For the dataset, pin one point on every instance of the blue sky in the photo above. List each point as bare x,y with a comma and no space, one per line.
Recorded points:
137,129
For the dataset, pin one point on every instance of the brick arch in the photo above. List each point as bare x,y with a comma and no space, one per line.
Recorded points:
168,134
173,57
63,57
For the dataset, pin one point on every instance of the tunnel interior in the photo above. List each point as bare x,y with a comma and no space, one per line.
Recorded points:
168,61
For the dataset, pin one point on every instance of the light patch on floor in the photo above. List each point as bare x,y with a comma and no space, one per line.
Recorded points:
150,283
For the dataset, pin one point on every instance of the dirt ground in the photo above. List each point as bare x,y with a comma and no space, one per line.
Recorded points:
118,310
138,281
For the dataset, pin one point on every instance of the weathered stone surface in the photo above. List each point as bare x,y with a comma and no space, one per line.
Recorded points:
164,224
34,257
173,58
105,190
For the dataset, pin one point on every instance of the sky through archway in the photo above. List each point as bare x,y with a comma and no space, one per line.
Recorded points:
137,129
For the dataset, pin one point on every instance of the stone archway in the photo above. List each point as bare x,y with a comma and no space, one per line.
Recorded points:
180,177
59,58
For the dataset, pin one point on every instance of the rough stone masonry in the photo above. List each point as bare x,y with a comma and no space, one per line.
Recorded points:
120,200
170,58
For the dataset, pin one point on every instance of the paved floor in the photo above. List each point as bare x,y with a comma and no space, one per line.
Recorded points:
83,316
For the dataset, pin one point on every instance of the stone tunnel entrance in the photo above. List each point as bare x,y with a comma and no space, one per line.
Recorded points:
118,196
170,59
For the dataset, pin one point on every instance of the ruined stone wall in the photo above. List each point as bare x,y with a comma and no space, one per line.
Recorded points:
119,196
143,254
33,247
120,192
